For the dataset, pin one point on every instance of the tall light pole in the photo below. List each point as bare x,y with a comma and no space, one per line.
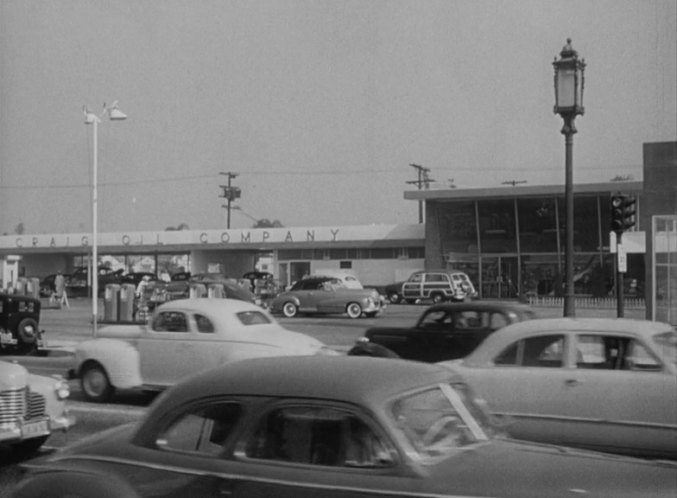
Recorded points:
569,81
114,114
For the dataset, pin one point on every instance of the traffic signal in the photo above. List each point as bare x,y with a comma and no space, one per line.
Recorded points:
622,212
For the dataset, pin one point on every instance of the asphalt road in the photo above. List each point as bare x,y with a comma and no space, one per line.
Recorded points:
64,328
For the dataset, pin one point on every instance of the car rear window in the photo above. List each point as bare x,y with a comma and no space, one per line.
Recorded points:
252,317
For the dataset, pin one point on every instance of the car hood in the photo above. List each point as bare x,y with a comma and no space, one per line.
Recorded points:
283,341
513,468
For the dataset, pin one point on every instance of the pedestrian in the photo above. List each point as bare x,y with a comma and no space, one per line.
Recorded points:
60,287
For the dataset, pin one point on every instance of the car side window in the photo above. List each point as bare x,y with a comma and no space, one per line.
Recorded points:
316,435
252,317
498,321
170,321
416,278
539,351
436,277
606,352
204,324
202,430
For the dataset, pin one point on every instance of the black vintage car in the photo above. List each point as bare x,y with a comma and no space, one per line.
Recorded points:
19,324
443,332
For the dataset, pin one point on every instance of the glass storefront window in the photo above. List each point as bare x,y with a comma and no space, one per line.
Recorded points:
586,224
497,226
457,227
537,225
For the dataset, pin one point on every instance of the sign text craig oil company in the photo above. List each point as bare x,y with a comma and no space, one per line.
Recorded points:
217,237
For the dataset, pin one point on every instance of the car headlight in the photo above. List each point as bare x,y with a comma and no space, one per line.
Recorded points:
61,388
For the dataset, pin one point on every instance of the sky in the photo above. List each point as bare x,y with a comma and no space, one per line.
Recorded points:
319,106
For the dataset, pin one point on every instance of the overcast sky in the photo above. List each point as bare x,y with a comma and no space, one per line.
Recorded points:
319,106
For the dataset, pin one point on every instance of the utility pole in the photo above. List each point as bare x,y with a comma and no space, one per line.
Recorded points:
423,181
230,193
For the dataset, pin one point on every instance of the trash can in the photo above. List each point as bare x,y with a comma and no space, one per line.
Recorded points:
216,290
111,298
126,304
197,290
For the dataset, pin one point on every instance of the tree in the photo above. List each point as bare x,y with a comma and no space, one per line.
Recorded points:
266,223
20,228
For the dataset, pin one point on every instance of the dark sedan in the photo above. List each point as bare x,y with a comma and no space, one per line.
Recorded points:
443,332
333,427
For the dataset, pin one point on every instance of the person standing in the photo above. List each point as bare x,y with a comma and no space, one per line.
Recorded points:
60,287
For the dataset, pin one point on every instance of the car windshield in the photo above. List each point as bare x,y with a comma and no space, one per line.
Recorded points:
666,342
440,421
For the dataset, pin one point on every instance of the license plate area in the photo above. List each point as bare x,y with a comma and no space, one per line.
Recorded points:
35,429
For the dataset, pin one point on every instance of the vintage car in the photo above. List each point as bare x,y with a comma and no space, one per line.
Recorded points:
20,324
32,407
444,331
393,292
438,286
183,337
348,280
328,427
603,384
327,295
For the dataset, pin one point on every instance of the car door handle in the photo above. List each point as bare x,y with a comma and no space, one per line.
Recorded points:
572,382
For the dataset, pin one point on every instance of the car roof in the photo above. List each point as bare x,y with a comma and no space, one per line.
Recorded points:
514,332
482,306
363,381
210,305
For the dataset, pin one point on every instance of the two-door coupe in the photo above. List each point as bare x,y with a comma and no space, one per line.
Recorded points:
327,295
183,337
443,331
604,384
329,427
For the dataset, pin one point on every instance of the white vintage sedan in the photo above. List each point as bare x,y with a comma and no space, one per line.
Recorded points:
604,384
182,337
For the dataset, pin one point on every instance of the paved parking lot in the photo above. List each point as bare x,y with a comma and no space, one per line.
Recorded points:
67,326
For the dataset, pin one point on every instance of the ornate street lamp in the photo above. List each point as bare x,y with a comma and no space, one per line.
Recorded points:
569,82
114,114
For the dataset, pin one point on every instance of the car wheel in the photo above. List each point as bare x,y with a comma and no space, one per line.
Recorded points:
354,310
27,331
94,383
29,446
394,298
437,298
289,309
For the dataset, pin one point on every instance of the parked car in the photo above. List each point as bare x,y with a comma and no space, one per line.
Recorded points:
20,324
183,337
348,280
444,331
393,292
32,407
604,384
327,295
78,283
180,289
438,286
48,286
339,427
136,277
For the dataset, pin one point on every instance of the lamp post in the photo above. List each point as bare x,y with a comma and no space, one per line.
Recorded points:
114,114
569,82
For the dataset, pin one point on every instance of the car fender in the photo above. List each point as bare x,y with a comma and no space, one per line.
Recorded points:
74,483
120,359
